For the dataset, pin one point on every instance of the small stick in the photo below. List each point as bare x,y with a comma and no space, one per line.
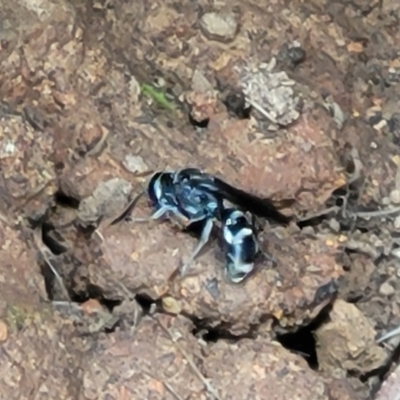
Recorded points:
44,252
167,385
378,213
262,110
205,381
320,213
128,209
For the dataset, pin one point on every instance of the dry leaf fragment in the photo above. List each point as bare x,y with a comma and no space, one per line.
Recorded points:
355,47
3,331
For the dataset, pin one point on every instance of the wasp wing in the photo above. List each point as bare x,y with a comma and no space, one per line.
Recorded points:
255,205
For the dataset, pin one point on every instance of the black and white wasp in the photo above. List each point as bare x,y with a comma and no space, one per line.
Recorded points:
191,196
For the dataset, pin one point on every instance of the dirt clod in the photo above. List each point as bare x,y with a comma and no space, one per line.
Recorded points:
351,345
107,199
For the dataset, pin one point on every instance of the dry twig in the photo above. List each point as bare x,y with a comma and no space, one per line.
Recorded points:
46,254
167,386
262,110
377,213
210,389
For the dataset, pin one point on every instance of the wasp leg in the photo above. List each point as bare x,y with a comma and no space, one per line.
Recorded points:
128,209
160,213
268,257
205,236
236,270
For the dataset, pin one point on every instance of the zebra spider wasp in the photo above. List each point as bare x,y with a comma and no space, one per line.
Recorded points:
191,196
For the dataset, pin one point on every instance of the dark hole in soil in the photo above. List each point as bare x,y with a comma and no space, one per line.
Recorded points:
348,226
302,341
199,124
354,298
195,228
312,221
49,279
64,200
94,292
145,302
213,334
235,103
52,239
85,231
350,251
351,193
383,371
381,258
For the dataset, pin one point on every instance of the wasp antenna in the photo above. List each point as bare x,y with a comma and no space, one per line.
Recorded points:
128,209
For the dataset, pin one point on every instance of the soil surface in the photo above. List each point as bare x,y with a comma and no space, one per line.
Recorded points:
293,101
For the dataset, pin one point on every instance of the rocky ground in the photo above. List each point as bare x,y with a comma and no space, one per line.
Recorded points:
95,96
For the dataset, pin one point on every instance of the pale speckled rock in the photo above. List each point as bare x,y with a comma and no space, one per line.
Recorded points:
135,164
395,196
386,289
272,92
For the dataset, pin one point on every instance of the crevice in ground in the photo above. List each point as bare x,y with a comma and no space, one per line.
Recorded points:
382,372
199,124
62,199
302,341
52,239
145,302
235,104
212,333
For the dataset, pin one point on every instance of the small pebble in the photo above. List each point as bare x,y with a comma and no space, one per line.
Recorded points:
395,196
396,253
135,164
385,201
221,27
397,222
171,305
334,225
386,289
